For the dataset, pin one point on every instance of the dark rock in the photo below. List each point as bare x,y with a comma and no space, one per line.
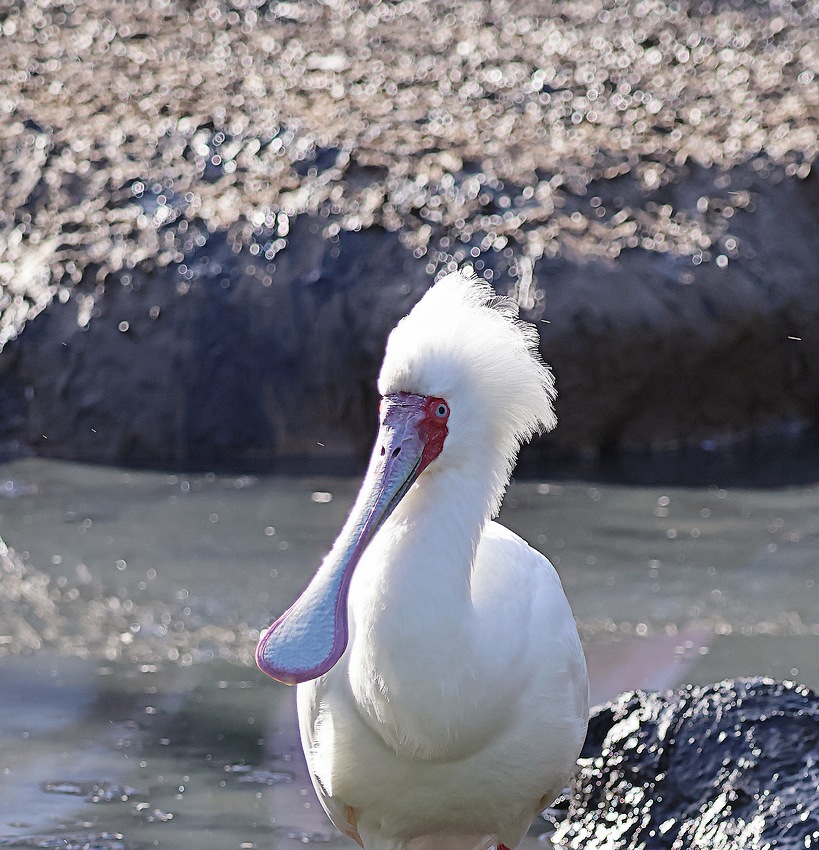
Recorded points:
733,766
652,353
223,361
222,364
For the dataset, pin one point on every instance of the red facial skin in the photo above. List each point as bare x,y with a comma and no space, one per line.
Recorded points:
432,429
430,425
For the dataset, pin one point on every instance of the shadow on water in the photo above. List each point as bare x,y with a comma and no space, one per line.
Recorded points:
783,457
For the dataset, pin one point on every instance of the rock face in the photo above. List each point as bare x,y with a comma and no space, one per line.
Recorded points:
213,213
733,766
228,371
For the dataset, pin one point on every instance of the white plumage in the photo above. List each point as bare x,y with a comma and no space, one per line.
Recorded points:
452,704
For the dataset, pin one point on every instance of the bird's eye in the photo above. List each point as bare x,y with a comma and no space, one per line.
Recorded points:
442,411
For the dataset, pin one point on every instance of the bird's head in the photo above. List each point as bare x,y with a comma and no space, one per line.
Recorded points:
465,369
462,387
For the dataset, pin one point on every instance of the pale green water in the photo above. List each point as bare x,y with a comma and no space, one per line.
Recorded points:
158,585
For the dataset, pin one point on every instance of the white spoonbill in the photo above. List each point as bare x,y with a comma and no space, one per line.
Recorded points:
443,694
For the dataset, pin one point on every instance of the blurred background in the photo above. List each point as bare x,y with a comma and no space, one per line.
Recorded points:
212,215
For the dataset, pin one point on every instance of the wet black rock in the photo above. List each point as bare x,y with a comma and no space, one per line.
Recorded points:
732,766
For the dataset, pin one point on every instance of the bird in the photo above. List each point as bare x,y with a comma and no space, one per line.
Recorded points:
442,691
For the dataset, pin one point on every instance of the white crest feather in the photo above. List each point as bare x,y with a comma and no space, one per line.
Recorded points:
463,343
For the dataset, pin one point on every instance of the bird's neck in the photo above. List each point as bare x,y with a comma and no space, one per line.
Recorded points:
414,647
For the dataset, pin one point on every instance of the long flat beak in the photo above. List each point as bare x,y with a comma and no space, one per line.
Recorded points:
310,637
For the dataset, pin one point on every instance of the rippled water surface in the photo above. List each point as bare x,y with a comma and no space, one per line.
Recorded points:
131,714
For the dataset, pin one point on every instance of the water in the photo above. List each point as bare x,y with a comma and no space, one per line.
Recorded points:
131,714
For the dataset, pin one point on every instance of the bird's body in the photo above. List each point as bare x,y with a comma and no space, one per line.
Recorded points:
480,729
454,704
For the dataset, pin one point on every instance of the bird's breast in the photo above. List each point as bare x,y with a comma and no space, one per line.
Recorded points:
412,662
